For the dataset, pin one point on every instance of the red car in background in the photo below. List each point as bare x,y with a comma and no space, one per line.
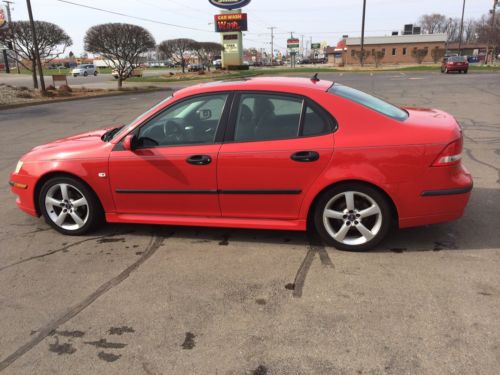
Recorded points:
455,64
268,153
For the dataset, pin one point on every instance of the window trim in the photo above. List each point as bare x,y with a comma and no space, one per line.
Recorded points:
306,101
219,135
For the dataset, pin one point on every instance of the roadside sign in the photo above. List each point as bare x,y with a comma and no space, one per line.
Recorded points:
315,45
293,44
231,22
229,4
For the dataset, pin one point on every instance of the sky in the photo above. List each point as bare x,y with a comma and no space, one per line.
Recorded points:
319,20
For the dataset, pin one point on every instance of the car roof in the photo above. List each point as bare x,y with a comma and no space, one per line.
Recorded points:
284,84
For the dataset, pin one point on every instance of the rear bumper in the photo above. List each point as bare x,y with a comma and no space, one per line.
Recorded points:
447,203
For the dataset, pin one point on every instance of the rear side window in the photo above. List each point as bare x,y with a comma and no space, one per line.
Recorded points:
269,116
369,101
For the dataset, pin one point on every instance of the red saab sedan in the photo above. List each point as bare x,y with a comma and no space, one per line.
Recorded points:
269,153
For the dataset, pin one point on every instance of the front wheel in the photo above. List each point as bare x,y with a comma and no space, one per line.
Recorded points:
85,74
69,206
95,73
352,217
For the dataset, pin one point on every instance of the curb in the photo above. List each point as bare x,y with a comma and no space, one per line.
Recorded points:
106,95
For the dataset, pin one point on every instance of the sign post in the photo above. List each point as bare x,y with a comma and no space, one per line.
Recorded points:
231,23
293,45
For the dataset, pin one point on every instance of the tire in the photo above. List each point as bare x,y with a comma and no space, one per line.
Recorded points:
85,74
75,75
465,71
346,229
95,73
64,199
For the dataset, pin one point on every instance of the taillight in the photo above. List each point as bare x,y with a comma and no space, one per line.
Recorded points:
452,154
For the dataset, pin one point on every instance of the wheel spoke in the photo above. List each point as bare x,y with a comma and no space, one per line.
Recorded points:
340,235
79,202
349,200
52,201
78,221
332,214
64,191
370,211
60,219
365,232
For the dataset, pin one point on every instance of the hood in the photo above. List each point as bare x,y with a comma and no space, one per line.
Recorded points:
84,145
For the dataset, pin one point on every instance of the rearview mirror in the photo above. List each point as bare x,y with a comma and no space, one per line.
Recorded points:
129,142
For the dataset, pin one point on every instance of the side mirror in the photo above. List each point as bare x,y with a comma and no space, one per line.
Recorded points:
129,142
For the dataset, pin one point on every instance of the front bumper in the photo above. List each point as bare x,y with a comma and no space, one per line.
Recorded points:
24,187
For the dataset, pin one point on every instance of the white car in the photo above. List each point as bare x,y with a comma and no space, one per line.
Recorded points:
84,70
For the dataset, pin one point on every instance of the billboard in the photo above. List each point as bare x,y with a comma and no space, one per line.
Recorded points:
3,17
229,4
231,22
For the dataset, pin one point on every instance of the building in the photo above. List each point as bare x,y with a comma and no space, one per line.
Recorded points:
398,49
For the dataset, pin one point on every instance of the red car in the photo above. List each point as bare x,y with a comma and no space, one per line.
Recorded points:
269,153
455,64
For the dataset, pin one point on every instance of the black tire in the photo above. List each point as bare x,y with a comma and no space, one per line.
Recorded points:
95,73
93,211
85,74
465,71
360,193
75,75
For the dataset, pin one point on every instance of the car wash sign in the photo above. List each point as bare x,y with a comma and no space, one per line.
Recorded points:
230,4
231,22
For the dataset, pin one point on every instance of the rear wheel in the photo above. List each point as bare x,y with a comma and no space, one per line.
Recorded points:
465,71
95,73
352,217
69,206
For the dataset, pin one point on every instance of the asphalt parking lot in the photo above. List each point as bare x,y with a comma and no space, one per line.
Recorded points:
176,300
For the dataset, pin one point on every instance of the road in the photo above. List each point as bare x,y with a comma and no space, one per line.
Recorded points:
101,81
175,300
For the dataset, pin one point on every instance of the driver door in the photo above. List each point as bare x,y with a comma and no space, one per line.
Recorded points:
172,170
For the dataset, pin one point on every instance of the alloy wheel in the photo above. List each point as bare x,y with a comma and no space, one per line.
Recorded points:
67,206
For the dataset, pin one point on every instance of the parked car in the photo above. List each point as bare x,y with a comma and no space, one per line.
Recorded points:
136,72
269,153
196,68
455,64
84,70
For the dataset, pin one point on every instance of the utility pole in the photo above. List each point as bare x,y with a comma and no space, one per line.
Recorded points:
272,43
9,19
461,31
493,12
362,57
35,43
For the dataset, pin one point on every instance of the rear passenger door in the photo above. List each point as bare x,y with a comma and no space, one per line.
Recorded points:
275,147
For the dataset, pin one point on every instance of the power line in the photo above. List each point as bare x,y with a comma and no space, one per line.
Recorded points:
134,17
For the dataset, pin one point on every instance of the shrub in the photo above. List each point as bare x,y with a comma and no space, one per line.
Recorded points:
24,95
51,88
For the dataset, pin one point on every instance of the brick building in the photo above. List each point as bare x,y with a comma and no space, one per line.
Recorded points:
398,48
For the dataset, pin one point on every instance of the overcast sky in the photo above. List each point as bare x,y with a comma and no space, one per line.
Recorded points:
323,20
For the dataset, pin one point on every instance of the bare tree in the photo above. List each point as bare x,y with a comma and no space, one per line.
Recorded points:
378,56
362,56
207,51
52,42
175,49
433,23
437,54
453,29
419,54
121,44
487,34
470,32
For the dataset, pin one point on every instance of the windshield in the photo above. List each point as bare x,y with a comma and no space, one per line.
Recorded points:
119,131
369,101
81,66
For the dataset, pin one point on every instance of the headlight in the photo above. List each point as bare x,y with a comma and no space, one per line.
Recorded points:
18,166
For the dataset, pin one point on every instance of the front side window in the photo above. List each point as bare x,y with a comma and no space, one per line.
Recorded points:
192,122
369,101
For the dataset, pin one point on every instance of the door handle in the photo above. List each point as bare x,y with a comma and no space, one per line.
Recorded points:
199,160
305,156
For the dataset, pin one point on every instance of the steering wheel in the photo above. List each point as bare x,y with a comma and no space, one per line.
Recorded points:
173,132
